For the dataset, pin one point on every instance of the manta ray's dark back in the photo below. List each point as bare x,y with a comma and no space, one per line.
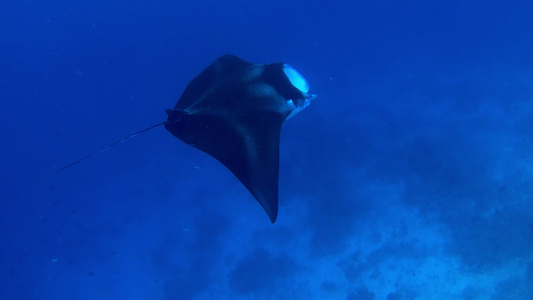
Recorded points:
234,111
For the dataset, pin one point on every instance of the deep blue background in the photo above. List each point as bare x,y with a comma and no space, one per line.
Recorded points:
410,176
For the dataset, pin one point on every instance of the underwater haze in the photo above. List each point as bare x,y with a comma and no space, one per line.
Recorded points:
409,177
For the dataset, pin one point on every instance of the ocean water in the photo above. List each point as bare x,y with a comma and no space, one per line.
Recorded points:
409,177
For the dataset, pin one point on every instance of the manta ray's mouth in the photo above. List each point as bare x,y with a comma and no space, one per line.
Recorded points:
296,79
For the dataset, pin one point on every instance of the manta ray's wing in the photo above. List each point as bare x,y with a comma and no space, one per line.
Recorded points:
249,148
223,67
234,111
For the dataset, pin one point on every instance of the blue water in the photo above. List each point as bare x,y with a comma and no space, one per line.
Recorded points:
409,177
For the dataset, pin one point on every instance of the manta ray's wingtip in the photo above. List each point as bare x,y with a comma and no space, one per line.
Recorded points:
273,218
271,208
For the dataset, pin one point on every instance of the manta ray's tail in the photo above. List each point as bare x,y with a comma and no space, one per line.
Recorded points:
113,144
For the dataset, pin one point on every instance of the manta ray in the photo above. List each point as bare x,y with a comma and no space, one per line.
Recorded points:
233,111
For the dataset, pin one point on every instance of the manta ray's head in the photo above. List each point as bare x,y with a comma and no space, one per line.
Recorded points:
299,82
